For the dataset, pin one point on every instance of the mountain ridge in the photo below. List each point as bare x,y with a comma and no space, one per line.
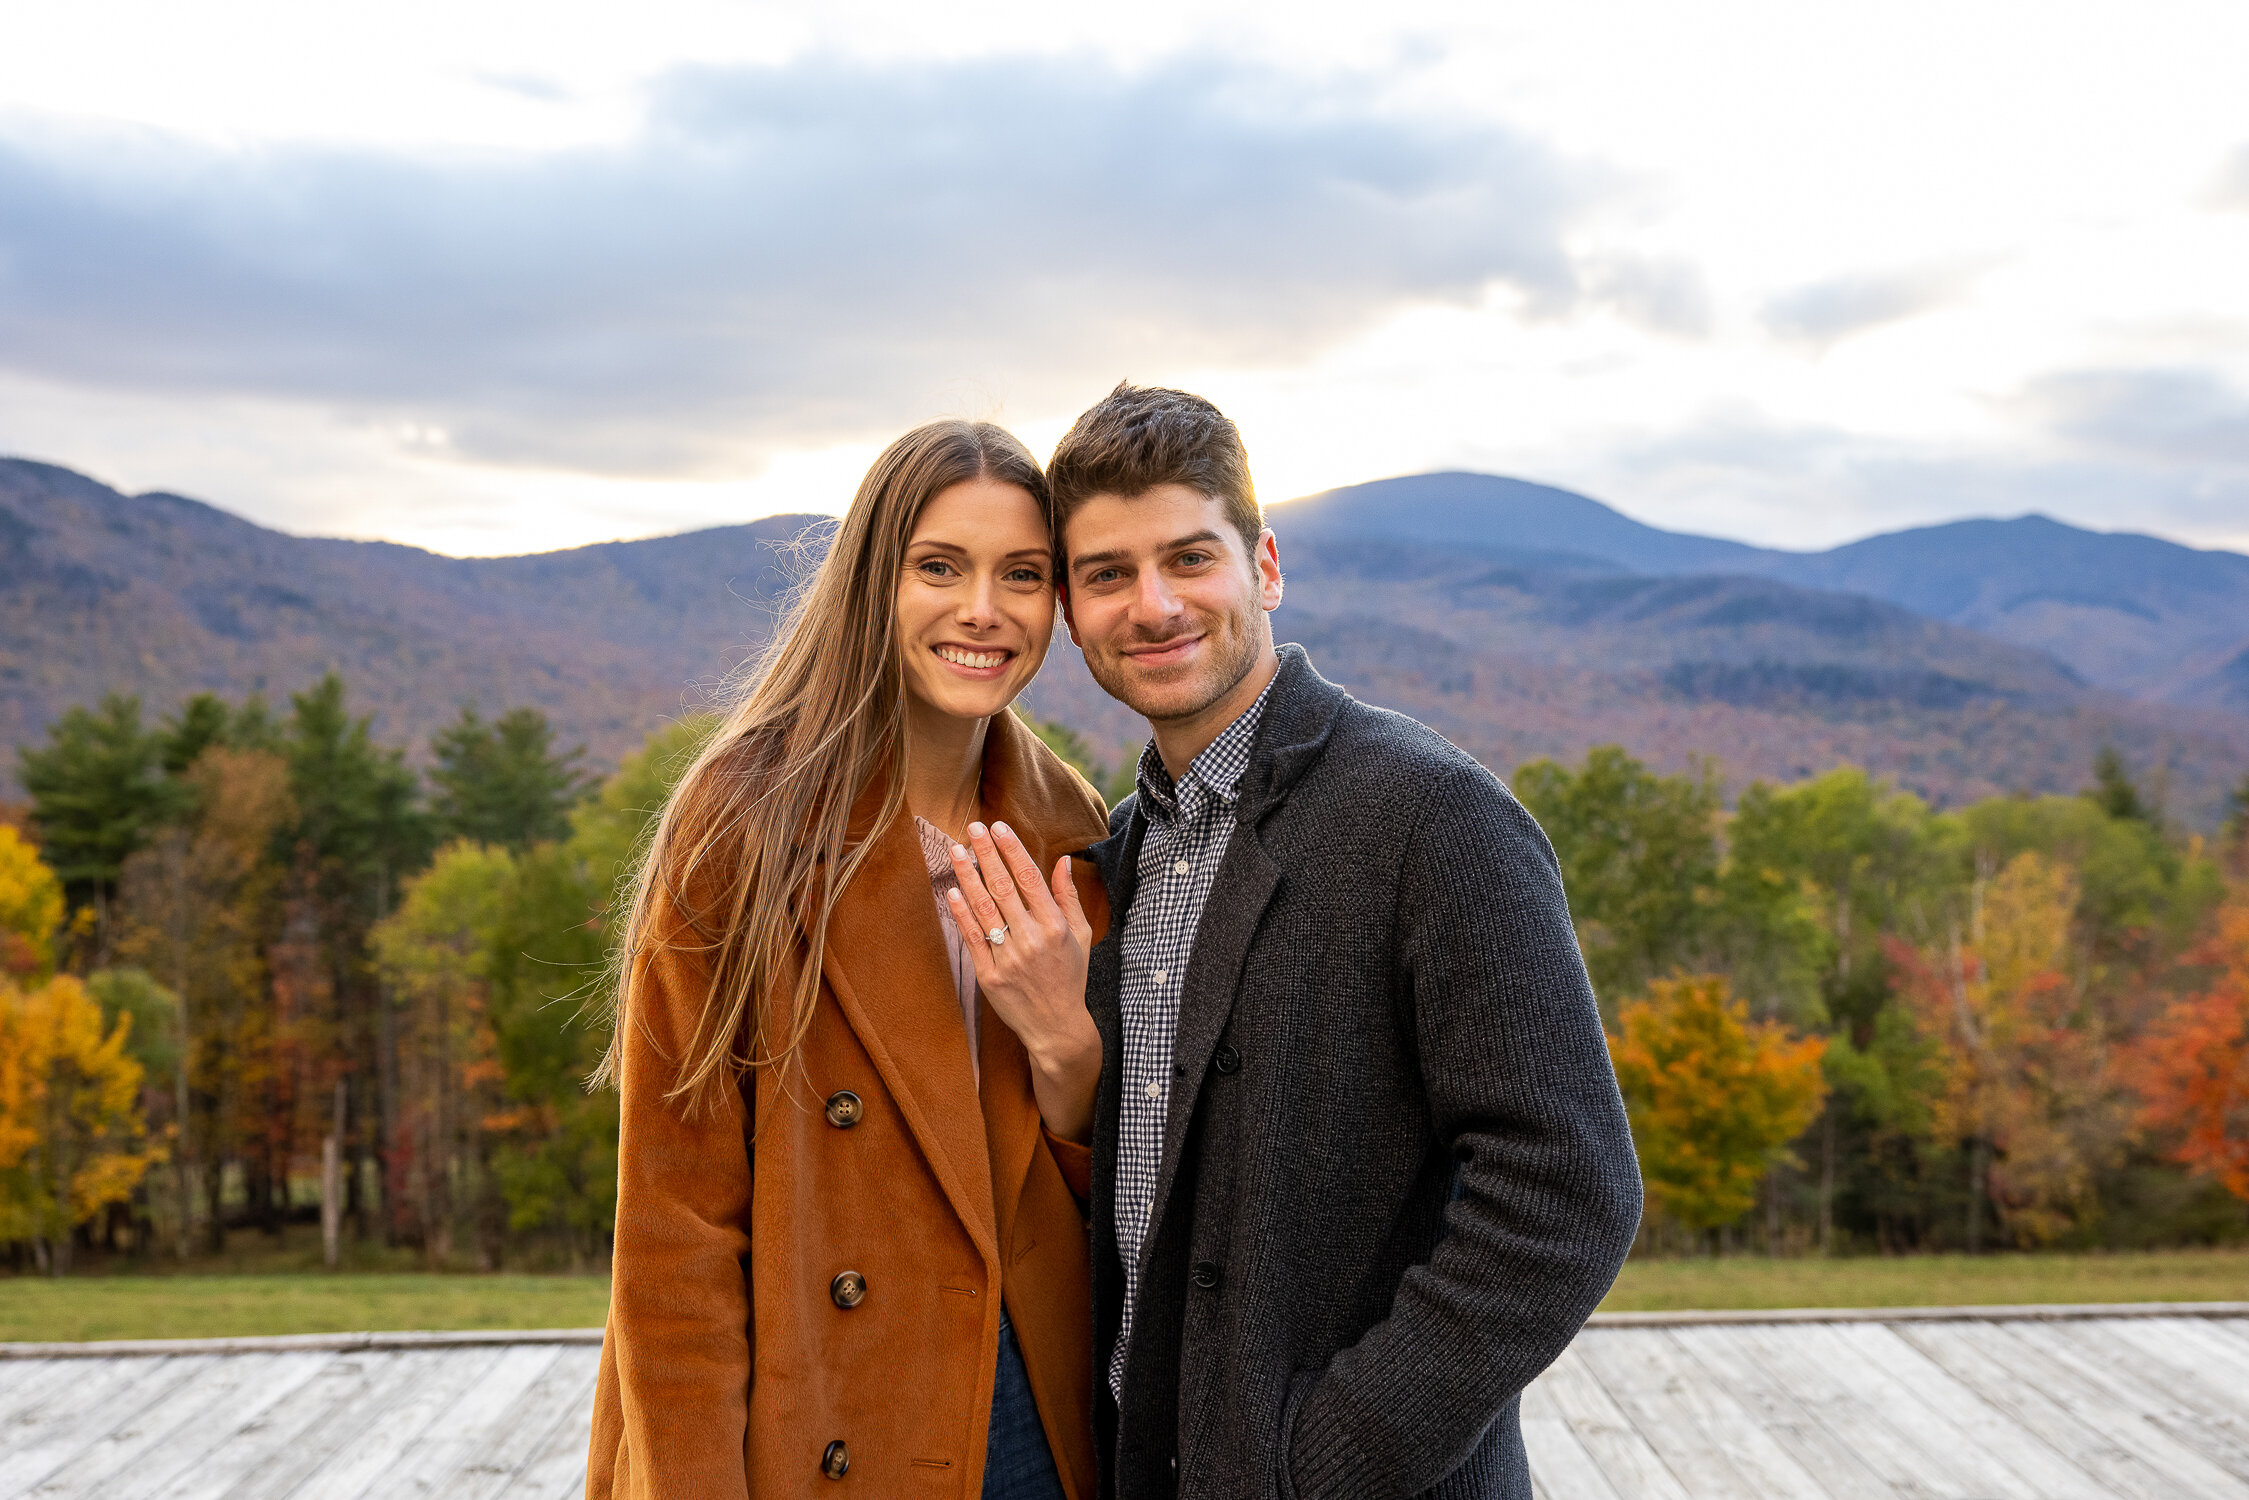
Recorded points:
1512,649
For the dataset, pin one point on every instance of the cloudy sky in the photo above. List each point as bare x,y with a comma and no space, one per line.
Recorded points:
495,277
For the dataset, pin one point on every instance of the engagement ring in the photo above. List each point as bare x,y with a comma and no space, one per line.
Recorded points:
996,936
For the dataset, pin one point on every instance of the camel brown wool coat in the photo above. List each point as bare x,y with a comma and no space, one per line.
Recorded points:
730,1365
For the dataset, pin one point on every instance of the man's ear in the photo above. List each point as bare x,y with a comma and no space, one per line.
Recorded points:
1268,560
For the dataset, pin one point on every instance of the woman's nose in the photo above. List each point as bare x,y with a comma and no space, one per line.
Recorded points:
979,606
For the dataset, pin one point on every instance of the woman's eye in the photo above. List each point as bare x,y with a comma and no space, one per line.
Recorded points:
1026,575
936,567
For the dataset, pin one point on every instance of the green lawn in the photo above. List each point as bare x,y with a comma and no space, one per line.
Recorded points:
1932,1280
35,1309
127,1306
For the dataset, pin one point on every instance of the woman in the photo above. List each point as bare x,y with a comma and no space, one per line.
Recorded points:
895,1301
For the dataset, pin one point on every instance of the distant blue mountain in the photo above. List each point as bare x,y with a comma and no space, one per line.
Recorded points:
2131,613
1513,520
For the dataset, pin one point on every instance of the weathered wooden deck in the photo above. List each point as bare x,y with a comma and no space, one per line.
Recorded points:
2005,1403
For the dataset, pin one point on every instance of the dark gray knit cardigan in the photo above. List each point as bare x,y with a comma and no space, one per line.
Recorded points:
1396,1173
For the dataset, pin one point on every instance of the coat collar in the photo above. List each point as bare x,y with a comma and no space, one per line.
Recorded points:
886,963
1299,716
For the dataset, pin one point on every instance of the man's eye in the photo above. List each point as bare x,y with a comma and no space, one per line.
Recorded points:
1105,575
1193,559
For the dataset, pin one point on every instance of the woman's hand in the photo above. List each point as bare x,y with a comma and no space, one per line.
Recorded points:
1034,978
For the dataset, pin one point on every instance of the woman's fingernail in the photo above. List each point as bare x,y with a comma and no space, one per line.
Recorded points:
960,854
977,830
1003,828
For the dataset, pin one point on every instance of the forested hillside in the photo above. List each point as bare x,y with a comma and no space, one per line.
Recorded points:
1536,640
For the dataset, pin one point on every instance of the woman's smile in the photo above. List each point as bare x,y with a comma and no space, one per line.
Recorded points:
981,664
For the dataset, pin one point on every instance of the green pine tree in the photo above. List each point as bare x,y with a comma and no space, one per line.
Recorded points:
98,793
501,782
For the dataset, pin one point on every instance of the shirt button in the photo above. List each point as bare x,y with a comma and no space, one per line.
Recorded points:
1181,867
1162,975
1154,1090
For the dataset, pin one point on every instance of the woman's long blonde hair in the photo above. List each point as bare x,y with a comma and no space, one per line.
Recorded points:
754,844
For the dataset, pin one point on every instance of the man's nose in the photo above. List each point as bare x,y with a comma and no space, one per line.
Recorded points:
1153,601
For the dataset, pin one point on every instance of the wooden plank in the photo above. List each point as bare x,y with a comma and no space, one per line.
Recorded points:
557,1471
22,1384
378,1438
32,1398
1703,1436
2032,1312
1779,1415
2223,1361
286,1343
2049,1474
431,1462
180,1429
265,1455
78,1414
2017,1384
1633,1468
1561,1469
1840,1407
522,1432
2154,1405
2174,1362
1923,1426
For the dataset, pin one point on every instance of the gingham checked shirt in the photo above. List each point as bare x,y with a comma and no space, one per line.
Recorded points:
1188,826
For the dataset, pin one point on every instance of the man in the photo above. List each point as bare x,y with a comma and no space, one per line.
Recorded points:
1361,1167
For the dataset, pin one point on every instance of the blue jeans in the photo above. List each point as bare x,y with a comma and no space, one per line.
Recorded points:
1017,1463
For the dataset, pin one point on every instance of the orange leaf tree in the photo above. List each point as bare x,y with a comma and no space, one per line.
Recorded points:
2191,1070
1713,1097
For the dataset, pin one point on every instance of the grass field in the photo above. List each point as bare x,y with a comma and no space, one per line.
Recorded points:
185,1307
1932,1280
119,1306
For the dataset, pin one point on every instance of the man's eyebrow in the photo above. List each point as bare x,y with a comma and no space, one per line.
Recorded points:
1118,554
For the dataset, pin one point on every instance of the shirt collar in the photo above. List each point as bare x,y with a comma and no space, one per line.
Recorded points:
1216,772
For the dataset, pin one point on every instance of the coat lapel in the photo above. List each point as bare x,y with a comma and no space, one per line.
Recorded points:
887,966
886,963
1243,887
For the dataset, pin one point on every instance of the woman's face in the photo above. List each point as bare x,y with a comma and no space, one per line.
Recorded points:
975,599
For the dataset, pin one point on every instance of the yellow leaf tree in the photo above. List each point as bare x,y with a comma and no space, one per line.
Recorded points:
1713,1097
2023,1053
30,910
72,1139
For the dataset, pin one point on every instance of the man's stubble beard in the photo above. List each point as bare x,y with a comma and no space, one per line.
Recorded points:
1248,642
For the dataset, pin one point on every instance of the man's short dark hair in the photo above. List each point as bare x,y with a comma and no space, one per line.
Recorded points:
1138,437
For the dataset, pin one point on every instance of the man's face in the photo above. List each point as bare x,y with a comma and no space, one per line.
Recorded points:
1165,602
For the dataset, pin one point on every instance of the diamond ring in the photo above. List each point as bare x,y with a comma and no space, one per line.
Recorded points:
996,936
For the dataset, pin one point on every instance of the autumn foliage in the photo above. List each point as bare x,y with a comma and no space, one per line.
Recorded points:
1712,1095
2192,1068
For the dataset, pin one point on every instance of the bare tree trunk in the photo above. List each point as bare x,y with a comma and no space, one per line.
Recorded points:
1827,1181
332,1183
1772,1209
1979,1171
180,1100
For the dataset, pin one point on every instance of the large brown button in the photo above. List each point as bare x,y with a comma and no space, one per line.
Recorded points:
835,1460
848,1290
844,1109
